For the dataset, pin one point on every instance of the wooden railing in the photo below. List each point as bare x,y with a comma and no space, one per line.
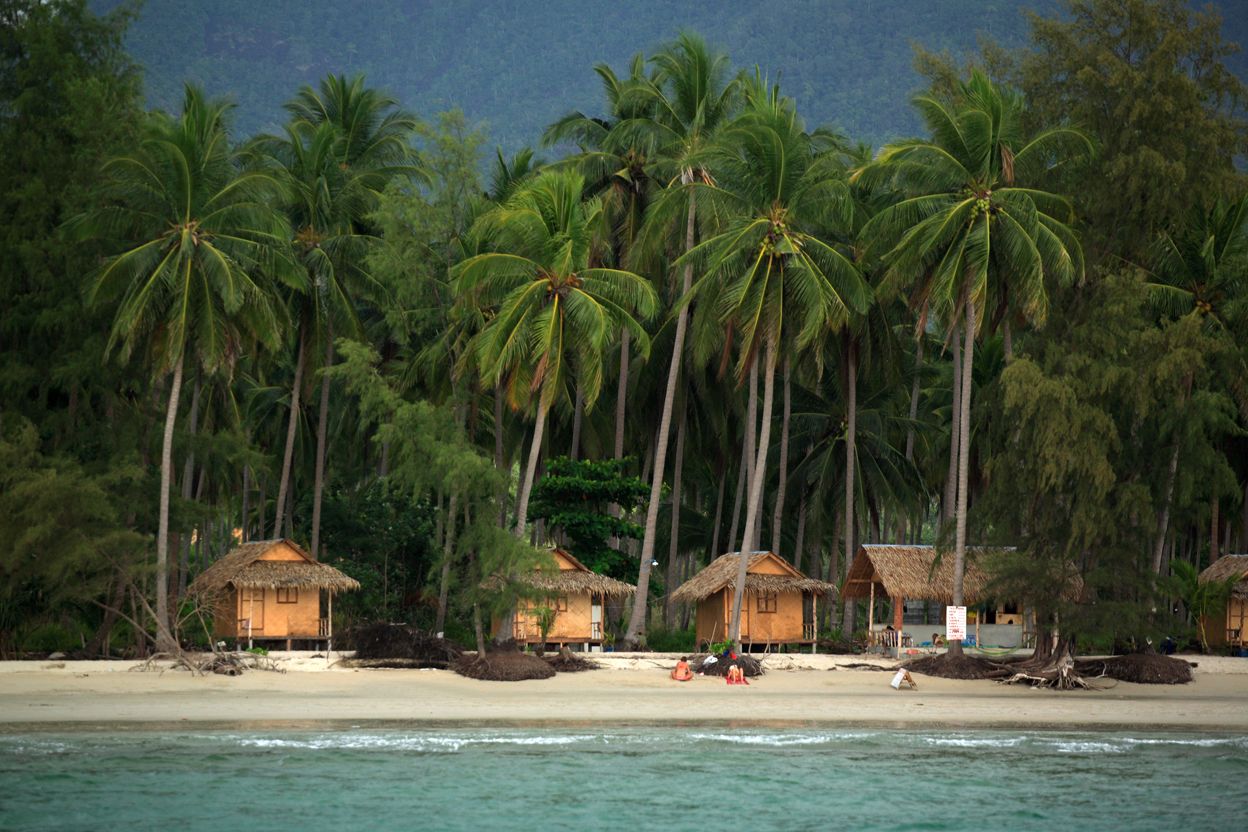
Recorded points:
808,631
322,628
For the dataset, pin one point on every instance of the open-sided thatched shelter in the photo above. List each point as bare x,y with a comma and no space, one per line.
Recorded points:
779,606
1232,630
906,571
272,591
574,593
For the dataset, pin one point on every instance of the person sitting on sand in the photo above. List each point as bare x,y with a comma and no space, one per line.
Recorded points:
735,675
682,673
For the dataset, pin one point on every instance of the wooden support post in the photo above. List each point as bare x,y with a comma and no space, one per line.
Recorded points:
329,625
251,611
871,614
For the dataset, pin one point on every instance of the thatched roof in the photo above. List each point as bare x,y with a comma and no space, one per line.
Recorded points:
242,567
574,581
905,571
1227,567
721,573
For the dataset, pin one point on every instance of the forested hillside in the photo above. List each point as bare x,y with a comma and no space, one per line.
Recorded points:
518,66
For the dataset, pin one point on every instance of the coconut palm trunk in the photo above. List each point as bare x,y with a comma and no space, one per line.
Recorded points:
748,454
637,620
621,397
964,460
292,428
756,489
719,514
742,486
673,548
777,515
448,548
1163,524
322,428
164,639
851,448
530,469
578,413
951,476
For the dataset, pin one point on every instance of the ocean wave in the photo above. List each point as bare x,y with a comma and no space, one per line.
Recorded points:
409,742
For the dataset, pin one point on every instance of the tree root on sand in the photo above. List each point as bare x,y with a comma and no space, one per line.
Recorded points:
201,664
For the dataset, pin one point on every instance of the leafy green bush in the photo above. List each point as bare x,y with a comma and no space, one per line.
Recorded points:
51,637
672,641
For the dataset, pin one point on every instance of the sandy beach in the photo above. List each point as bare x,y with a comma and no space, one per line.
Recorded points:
805,690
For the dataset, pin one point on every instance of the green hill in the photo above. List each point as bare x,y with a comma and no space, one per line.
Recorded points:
519,65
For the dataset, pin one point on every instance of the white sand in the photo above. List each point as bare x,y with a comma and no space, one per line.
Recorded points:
631,689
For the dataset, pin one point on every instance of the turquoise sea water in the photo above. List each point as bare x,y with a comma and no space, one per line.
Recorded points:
637,778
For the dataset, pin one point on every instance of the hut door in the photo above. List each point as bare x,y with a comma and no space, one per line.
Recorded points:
595,617
252,607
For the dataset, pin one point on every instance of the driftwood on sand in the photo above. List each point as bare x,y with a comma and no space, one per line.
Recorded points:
201,664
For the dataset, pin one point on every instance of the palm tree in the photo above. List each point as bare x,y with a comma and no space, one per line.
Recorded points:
199,238
973,235
367,138
614,156
775,276
692,97
553,314
1200,271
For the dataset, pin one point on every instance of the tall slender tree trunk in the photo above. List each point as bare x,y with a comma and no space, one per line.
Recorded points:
951,477
964,465
245,526
756,489
777,514
621,396
578,413
673,547
851,445
799,542
1007,337
292,427
448,549
719,514
637,620
914,400
743,484
322,429
1215,527
262,512
751,427
1163,523
188,483
500,459
164,638
530,469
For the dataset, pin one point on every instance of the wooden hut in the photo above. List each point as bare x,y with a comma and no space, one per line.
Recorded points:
574,593
1232,630
914,572
779,603
272,591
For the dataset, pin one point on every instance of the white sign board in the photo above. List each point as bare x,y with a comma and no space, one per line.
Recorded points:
955,623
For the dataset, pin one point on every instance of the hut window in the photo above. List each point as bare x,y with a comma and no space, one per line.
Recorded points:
288,596
561,603
767,601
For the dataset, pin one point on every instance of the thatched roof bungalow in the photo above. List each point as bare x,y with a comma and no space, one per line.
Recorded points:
779,606
573,592
914,572
272,590
904,572
1233,631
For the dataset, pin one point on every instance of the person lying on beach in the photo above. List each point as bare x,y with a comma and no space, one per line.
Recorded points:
735,676
682,673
